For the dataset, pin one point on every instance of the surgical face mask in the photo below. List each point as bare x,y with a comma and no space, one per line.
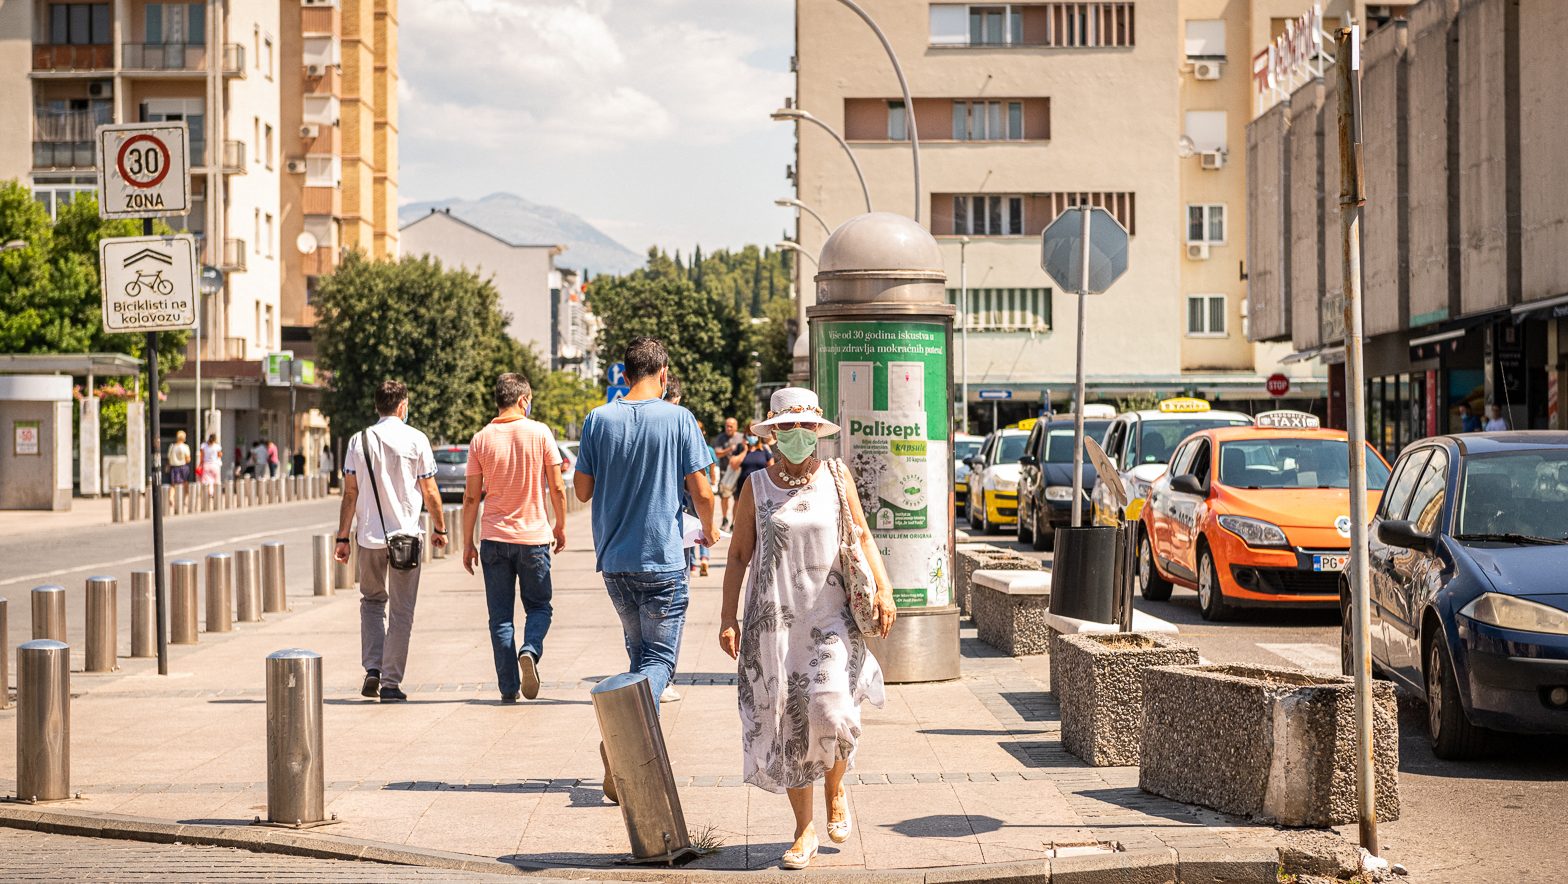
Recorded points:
798,444
751,440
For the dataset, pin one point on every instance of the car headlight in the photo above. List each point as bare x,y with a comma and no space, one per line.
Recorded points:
1255,532
1059,492
1001,484
1510,612
1137,488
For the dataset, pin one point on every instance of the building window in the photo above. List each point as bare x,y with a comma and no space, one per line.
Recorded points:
995,25
1062,25
175,23
56,195
1206,316
1206,223
268,229
255,137
987,215
266,47
266,138
1206,129
1027,310
80,24
897,122
255,227
988,121
1206,38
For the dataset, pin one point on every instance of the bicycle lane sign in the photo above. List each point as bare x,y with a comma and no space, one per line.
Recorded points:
144,170
149,283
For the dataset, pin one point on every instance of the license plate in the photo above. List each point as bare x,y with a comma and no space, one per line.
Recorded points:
1330,563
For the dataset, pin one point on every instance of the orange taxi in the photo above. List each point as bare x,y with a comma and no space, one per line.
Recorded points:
1254,516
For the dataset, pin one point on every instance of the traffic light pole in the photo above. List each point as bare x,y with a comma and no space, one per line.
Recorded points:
155,490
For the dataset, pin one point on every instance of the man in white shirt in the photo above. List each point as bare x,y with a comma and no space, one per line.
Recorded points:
1494,420
401,478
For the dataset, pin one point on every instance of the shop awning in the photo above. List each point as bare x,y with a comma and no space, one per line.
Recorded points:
1551,308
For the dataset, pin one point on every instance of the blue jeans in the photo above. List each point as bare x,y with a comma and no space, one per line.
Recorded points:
652,607
506,566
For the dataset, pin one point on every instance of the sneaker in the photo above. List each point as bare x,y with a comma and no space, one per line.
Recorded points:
528,668
508,698
392,695
372,686
670,694
703,568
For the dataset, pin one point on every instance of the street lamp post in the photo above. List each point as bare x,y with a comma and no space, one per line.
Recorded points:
963,327
909,104
795,113
791,245
787,203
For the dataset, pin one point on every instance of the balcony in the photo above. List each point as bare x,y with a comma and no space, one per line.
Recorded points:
64,154
322,110
160,57
321,201
66,58
234,157
234,60
233,256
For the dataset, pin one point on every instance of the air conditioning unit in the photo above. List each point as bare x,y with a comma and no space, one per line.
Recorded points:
1207,70
315,70
100,89
1212,160
1197,251
294,167
318,2
309,130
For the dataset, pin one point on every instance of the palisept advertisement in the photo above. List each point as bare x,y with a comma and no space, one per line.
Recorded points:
884,384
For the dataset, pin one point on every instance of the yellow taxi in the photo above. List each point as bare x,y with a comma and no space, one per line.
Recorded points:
1254,516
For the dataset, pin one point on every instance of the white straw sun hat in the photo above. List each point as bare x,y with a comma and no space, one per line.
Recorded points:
794,405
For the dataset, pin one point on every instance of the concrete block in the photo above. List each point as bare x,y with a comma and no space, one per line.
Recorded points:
1225,865
1129,867
1036,871
1058,625
1101,697
1009,609
971,557
1273,744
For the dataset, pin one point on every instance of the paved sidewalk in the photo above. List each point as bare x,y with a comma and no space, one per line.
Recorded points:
960,773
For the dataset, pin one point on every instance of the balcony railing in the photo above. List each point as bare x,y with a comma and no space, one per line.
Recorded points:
97,57
234,60
233,255
64,154
164,56
234,157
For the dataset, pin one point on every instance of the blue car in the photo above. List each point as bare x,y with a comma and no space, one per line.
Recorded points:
1469,592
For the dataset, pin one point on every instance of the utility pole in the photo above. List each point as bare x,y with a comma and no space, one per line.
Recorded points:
1352,202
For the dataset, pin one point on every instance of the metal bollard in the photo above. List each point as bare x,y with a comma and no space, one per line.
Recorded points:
49,613
247,585
426,527
5,655
43,721
640,765
321,582
220,592
296,773
103,623
134,511
116,504
182,602
274,582
144,616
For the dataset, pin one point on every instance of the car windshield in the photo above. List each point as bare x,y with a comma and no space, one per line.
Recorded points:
964,449
1294,463
452,456
1158,438
1010,447
1059,442
1515,492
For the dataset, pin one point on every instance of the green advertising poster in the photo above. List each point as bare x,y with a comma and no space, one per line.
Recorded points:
885,384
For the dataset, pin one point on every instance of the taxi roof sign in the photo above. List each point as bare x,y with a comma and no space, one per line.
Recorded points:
1183,405
1287,420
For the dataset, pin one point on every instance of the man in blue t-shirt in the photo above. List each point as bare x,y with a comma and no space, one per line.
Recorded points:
635,456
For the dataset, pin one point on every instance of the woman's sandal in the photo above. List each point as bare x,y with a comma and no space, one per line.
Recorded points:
838,830
799,859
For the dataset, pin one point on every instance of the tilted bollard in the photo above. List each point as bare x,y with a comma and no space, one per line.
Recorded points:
116,504
144,616
247,585
103,624
296,773
5,654
220,592
43,721
321,564
274,584
640,766
49,613
182,602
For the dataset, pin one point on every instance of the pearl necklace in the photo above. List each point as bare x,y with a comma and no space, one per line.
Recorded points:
803,481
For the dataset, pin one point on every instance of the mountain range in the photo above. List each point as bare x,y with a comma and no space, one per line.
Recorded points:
518,221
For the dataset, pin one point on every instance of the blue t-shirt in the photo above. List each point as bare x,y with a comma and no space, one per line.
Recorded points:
639,455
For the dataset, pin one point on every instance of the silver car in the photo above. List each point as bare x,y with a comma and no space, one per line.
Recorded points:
451,472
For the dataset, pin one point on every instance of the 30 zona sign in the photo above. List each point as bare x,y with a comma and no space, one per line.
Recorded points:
144,170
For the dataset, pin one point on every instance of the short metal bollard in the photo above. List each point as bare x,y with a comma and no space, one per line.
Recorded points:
220,592
426,527
345,574
640,765
182,602
144,616
321,582
5,654
247,585
43,721
49,613
134,511
296,773
103,623
116,504
274,584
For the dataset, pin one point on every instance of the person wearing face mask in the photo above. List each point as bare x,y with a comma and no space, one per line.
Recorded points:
804,668
752,457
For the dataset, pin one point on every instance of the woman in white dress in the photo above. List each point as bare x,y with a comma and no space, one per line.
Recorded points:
803,665
211,465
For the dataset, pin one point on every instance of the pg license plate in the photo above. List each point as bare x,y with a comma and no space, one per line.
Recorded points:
1330,563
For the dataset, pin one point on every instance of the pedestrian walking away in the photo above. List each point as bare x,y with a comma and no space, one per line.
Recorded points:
513,466
635,455
211,464
272,458
395,461
725,446
179,460
258,458
804,668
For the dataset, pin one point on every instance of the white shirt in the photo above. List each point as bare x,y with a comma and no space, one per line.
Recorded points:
211,456
401,456
1495,425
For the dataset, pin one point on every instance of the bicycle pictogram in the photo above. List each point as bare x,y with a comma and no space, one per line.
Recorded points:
150,279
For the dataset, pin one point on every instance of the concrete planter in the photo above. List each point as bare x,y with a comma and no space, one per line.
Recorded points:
1275,745
1058,626
969,558
1101,681
1009,609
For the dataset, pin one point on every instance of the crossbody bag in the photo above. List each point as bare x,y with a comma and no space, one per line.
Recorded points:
403,549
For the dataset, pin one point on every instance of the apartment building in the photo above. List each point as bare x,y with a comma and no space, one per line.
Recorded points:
1024,110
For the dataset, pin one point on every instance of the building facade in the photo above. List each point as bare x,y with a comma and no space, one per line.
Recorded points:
1024,110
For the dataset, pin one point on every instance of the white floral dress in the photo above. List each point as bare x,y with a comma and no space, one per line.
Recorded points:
804,668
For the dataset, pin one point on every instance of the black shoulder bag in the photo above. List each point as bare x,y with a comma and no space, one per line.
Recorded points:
403,550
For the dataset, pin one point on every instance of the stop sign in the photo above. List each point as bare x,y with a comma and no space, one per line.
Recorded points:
1277,384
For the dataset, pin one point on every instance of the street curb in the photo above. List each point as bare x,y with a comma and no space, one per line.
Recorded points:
1164,866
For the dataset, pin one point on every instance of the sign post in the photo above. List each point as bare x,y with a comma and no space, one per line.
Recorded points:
149,282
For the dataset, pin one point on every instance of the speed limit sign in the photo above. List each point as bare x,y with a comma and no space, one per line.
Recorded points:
144,170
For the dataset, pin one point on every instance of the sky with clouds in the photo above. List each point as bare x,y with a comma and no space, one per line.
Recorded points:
649,118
